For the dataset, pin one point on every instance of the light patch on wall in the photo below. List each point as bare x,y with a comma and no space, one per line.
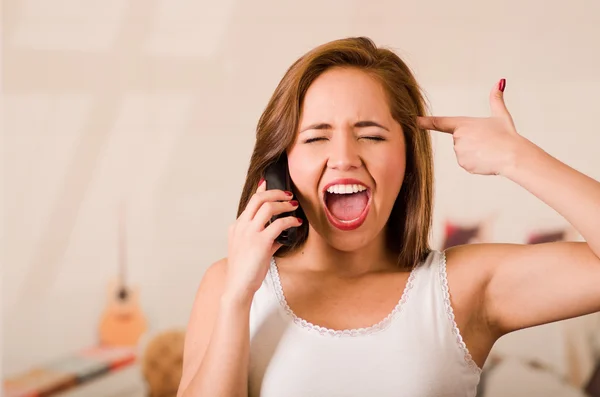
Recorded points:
33,144
50,25
190,28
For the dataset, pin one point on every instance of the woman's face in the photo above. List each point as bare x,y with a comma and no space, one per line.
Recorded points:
348,160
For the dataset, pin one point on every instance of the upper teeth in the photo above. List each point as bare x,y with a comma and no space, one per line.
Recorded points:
345,189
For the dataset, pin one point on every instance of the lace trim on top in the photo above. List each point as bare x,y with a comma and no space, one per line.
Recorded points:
450,312
345,332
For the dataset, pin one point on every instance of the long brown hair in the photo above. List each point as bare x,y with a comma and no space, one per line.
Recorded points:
410,220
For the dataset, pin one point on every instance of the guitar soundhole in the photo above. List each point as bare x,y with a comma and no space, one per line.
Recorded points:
123,294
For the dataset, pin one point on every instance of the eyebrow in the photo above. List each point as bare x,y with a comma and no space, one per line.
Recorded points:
359,124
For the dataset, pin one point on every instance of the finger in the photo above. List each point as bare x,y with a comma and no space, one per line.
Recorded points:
252,206
262,185
281,224
260,197
497,105
442,124
270,209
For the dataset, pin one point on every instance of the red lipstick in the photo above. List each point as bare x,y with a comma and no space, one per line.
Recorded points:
354,223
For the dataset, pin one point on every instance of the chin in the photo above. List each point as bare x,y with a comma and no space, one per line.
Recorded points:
351,240
352,243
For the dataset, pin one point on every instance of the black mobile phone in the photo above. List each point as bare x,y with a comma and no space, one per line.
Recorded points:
277,176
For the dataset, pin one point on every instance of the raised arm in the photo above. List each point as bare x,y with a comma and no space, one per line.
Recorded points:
528,285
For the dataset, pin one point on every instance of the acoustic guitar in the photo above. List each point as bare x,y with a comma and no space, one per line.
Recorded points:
122,322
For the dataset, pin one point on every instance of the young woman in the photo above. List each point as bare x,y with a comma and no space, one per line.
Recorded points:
361,306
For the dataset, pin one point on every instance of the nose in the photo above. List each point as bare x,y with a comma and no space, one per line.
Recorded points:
344,154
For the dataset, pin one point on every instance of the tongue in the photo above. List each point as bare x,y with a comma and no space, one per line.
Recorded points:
347,206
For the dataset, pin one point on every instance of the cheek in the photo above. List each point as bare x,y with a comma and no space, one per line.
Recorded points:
391,174
305,171
388,171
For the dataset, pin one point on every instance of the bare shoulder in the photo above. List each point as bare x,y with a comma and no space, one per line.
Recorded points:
469,271
207,297
215,274
210,288
202,319
470,267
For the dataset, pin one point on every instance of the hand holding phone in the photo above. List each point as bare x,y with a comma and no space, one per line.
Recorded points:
252,240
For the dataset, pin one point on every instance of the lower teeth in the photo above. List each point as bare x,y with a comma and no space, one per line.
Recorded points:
350,221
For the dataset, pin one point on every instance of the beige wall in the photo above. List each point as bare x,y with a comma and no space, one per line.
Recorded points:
156,102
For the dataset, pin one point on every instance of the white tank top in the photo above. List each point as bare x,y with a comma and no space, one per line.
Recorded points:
416,351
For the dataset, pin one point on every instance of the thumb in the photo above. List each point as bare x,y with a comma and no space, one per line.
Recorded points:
497,105
275,247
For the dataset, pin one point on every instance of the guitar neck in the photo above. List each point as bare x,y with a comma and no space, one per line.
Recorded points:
122,247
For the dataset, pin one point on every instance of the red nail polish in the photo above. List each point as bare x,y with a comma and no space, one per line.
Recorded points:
294,203
300,220
261,181
502,85
289,193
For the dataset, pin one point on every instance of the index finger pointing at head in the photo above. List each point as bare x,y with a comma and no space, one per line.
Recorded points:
443,124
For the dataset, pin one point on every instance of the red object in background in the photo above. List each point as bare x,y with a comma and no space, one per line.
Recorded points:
459,235
69,372
593,386
549,237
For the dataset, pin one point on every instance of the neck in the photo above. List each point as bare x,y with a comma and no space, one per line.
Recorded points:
318,255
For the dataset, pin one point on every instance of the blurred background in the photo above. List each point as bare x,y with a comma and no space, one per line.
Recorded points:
128,126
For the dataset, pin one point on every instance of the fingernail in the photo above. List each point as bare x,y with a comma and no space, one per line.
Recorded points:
289,193
294,203
502,85
261,181
300,220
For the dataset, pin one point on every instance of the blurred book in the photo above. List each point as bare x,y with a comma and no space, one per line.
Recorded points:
69,372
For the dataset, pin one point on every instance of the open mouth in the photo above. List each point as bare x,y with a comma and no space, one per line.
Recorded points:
347,203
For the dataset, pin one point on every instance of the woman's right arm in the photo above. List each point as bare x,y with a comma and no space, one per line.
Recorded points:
216,352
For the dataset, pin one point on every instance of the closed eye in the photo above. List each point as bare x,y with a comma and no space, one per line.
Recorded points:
374,138
321,138
371,138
